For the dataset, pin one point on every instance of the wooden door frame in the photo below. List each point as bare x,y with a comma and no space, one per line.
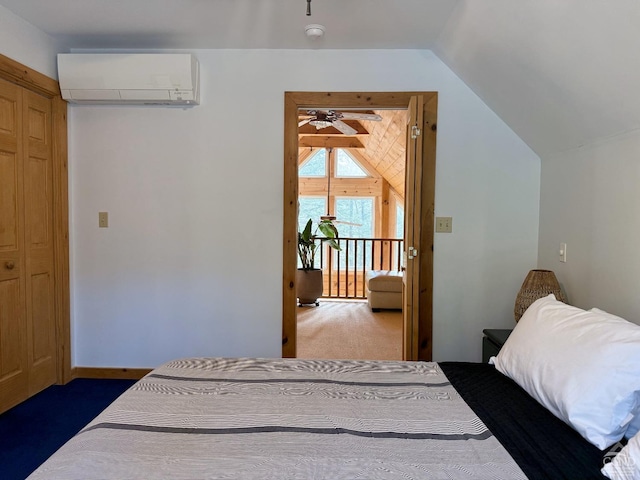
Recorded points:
293,101
21,75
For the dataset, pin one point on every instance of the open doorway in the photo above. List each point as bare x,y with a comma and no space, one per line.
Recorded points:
417,326
354,175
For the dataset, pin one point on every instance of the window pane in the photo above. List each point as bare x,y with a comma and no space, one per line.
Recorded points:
316,166
356,210
311,208
359,211
399,221
347,166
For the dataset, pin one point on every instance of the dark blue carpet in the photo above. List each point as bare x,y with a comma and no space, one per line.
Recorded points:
32,431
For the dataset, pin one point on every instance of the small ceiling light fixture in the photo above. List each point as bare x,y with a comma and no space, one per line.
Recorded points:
322,120
314,30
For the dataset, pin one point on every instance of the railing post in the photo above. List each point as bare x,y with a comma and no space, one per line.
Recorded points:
355,268
364,264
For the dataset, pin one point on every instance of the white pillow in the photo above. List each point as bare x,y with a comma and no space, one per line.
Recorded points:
626,464
634,425
584,367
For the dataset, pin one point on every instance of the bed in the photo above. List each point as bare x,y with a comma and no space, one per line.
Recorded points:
252,418
259,418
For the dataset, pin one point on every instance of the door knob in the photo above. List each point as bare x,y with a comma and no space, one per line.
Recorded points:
9,265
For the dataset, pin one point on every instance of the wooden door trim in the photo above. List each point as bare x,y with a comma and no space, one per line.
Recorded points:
392,100
37,82
28,78
427,215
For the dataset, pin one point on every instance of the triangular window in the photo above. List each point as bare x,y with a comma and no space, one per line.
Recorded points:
315,166
347,166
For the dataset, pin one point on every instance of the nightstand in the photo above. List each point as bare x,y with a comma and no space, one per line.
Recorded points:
493,341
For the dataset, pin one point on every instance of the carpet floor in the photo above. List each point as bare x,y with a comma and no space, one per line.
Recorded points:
348,330
32,431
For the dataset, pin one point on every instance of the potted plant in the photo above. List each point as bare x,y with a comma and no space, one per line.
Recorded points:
309,278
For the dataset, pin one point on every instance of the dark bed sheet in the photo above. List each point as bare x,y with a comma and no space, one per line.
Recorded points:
541,444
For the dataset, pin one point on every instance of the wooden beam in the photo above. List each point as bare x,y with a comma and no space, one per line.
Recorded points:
309,129
342,187
385,215
330,142
303,154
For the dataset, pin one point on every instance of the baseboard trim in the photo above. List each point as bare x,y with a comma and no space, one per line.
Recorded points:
112,373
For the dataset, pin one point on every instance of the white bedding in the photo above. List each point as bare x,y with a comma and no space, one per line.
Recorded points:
296,419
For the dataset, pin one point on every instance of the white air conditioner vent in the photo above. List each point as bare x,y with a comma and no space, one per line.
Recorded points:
129,79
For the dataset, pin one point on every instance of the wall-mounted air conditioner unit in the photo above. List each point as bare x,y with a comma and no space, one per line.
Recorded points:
129,79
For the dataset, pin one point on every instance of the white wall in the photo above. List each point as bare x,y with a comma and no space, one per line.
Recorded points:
28,45
191,263
559,73
590,199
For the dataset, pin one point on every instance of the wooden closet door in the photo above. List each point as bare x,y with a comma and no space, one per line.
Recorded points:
14,378
27,301
38,240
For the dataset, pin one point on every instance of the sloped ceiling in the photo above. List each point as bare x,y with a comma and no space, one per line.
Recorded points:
560,73
205,24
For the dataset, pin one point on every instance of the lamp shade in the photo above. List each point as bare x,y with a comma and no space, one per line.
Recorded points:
538,284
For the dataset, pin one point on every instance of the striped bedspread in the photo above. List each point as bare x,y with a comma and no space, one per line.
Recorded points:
218,418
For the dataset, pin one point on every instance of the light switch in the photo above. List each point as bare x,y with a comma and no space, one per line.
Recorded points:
103,219
444,224
563,252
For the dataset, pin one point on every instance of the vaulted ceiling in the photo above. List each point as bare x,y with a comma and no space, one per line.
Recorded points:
378,145
560,73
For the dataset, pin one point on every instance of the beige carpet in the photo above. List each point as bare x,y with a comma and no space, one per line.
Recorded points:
349,330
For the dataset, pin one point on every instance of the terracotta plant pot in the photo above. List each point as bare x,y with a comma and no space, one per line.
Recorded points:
308,286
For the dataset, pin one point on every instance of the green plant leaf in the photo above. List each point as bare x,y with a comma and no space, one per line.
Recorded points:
307,244
333,244
328,229
306,233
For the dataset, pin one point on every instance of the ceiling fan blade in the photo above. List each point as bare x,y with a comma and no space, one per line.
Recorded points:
304,122
361,116
344,128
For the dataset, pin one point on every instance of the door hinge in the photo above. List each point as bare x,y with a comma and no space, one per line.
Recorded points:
412,253
415,131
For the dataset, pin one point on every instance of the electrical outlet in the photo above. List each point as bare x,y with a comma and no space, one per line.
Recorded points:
103,219
444,224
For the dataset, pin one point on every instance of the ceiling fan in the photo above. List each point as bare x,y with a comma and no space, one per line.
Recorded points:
334,118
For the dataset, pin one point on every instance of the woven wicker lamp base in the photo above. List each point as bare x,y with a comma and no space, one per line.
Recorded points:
538,284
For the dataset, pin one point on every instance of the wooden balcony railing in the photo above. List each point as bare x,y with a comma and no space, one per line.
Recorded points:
344,271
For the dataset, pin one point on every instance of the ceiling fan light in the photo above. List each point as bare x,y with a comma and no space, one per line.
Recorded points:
314,30
320,123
